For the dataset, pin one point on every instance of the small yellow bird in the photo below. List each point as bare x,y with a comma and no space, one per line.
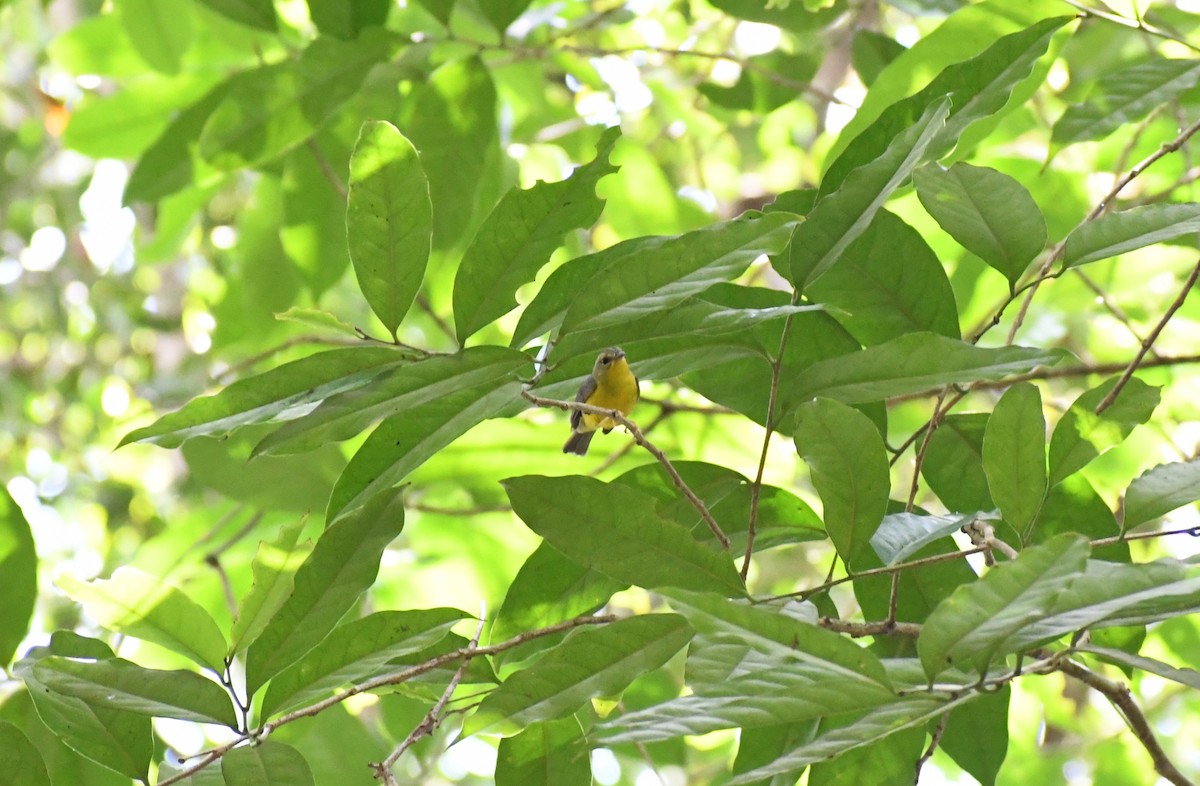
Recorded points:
612,385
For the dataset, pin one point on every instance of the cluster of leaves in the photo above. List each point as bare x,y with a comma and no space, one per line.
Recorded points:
861,317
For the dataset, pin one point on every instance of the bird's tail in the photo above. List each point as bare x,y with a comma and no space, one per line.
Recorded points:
578,443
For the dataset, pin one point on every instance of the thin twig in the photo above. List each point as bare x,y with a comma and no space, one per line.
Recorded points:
1149,341
1114,309
327,170
433,718
438,510
424,304
931,426
857,630
1118,694
640,439
935,739
623,451
294,341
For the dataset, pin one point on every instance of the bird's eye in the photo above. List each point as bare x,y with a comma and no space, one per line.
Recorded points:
606,361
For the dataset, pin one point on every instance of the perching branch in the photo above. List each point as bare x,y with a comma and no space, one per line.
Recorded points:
640,439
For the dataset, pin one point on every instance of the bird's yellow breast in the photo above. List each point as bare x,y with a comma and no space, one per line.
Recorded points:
616,388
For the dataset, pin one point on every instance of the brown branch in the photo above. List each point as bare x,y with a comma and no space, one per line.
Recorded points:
433,718
640,439
881,628
1149,341
1120,697
1114,309
935,739
622,451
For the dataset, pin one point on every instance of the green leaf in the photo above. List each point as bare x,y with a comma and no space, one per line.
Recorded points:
275,107
406,440
312,229
890,760
870,52
399,391
969,629
1122,98
167,165
19,760
901,535
519,236
914,363
254,13
874,726
118,740
1184,676
976,734
144,606
839,218
269,763
590,663
342,565
1081,435
389,220
953,465
274,567
760,746
987,212
550,588
545,754
120,685
621,278
159,33
503,13
1014,455
347,19
1113,234
980,87
1160,490
276,394
849,466
318,319
19,567
125,123
356,650
883,299
616,530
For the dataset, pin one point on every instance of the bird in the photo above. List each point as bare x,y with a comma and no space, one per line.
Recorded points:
611,385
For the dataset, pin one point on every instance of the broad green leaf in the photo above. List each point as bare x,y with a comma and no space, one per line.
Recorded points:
342,565
597,662
1160,490
616,530
1111,594
118,740
318,319
123,124
545,754
840,217
1113,234
503,13
1122,98
969,629
120,685
645,283
356,650
347,19
980,86
19,760
988,212
776,633
389,220
914,363
1074,506
876,725
19,567
274,567
209,775
168,164
870,52
900,535
451,119
889,283
889,760
976,734
406,440
254,13
549,588
519,236
283,392
849,466
953,465
159,33
312,229
269,763
1081,435
623,276
1014,455
760,746
144,606
398,391
1184,676
275,107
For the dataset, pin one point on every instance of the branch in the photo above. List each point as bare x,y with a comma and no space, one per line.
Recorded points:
1149,341
444,326
433,718
881,628
1118,694
640,439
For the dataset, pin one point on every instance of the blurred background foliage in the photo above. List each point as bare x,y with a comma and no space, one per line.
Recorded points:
127,288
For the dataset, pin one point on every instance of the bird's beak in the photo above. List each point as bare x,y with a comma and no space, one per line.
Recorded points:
620,354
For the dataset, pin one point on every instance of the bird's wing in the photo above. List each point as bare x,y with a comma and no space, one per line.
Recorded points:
585,392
